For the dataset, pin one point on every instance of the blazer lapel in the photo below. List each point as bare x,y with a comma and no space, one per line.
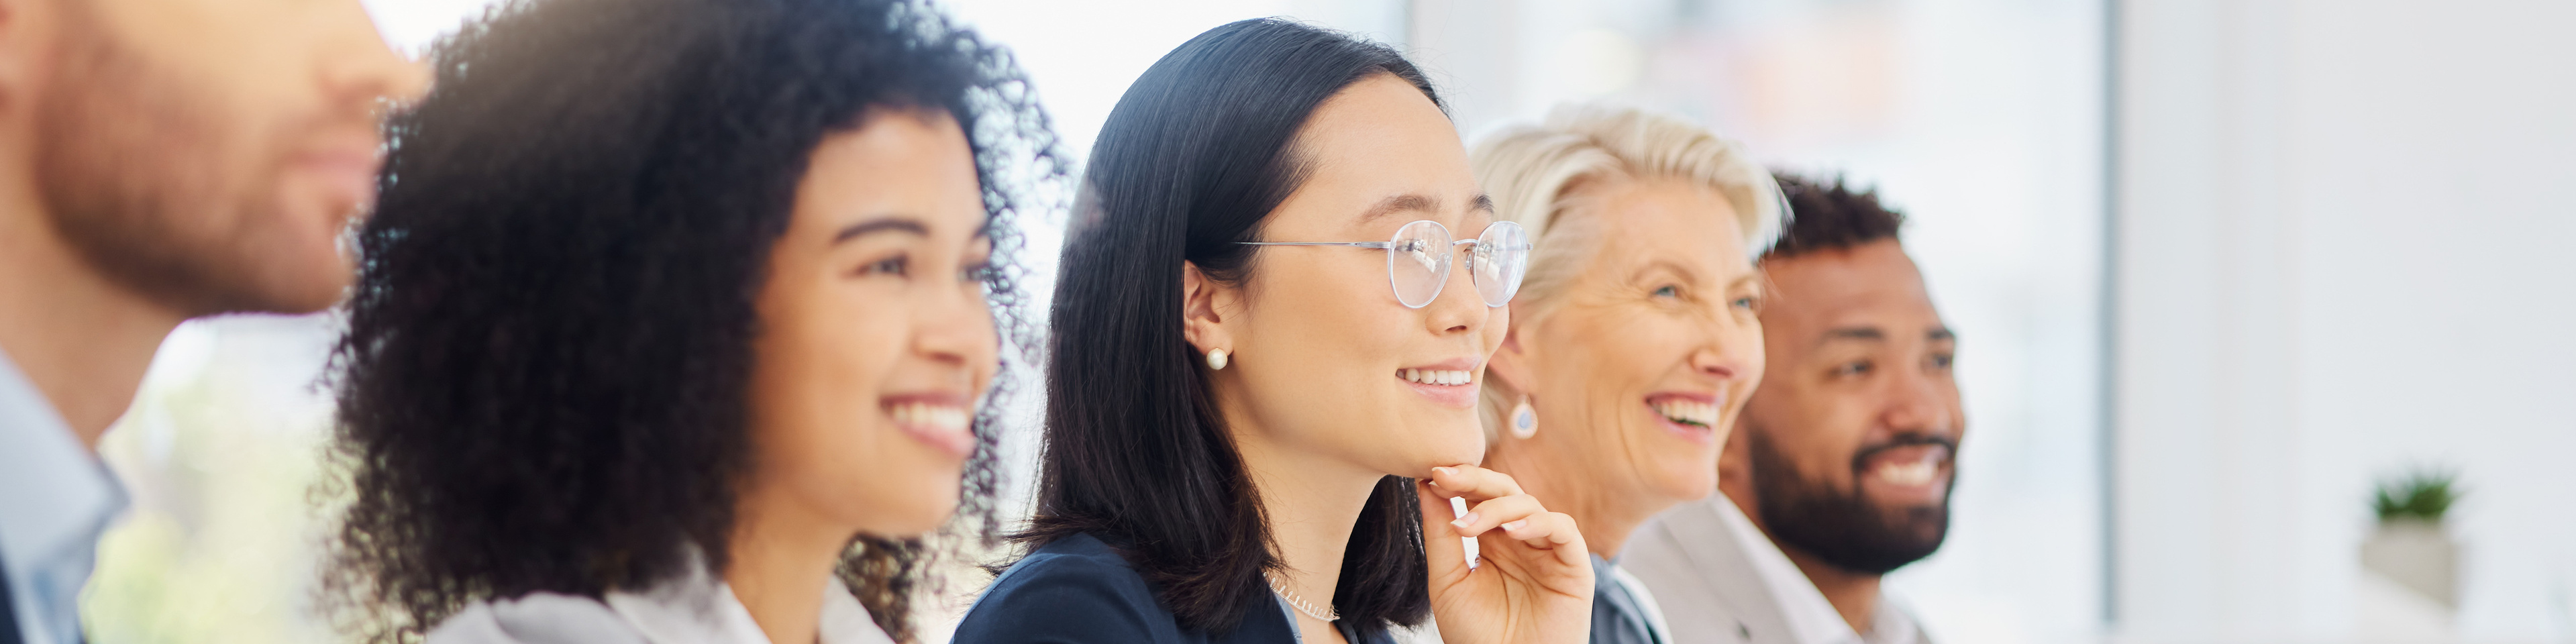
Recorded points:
8,609
1688,556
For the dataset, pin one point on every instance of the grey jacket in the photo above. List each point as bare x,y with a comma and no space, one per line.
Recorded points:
1706,579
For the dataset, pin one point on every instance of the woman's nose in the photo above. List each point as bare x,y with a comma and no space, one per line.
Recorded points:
1732,351
1460,307
1715,362
956,330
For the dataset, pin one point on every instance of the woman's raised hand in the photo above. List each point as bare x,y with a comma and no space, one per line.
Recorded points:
1535,583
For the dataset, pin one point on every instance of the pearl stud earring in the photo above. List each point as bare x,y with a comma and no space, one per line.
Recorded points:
1216,359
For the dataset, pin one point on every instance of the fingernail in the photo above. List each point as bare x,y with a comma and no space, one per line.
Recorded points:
1443,471
1465,520
1515,525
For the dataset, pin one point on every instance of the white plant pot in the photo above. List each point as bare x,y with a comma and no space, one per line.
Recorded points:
2417,555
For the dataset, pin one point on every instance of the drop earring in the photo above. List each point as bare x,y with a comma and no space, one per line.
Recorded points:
1216,359
1524,420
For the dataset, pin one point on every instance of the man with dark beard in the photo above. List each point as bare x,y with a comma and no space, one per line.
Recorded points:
159,160
1840,468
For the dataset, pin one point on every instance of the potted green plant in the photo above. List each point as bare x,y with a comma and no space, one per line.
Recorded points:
2410,546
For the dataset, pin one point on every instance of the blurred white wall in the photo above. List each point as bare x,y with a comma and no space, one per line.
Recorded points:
2342,250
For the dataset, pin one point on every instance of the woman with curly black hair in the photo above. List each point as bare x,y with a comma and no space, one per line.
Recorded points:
673,324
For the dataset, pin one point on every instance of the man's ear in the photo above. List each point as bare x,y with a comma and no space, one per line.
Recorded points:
1203,303
1511,363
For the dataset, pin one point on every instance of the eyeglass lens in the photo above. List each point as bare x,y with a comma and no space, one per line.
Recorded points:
1502,259
1418,261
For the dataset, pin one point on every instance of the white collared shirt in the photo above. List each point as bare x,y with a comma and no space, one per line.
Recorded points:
697,609
55,500
1812,618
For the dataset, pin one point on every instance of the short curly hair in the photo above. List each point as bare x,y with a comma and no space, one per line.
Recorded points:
1831,215
543,384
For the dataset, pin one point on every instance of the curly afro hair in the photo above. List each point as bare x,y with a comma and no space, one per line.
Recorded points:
1831,215
543,382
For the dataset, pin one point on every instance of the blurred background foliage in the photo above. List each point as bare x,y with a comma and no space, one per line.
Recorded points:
221,455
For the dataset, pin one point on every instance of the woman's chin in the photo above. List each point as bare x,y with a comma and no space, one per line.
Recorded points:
1445,456
912,517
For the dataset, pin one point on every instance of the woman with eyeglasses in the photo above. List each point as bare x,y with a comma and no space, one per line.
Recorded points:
1280,286
677,321
1634,343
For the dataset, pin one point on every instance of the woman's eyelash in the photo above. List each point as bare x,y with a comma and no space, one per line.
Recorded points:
896,265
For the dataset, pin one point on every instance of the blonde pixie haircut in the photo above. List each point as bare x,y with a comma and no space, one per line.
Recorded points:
1538,176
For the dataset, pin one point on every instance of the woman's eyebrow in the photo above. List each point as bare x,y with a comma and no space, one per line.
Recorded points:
1748,280
1421,203
1400,203
879,225
1667,266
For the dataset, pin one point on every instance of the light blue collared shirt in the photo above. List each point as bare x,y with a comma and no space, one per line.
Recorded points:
55,500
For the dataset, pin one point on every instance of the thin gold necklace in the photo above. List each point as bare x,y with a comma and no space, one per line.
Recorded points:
1300,603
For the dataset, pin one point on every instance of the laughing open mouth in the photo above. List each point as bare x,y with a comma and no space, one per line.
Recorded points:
1686,411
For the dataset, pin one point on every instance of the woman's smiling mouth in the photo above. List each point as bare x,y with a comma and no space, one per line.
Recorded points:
1692,416
938,420
1450,383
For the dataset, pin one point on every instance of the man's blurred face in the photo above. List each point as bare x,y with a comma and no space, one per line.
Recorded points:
1850,439
209,154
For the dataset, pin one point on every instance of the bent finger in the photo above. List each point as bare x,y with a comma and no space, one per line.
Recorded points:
1442,549
1485,515
1472,483
1551,532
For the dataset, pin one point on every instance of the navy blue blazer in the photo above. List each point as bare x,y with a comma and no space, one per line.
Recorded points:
1078,590
8,610
1617,616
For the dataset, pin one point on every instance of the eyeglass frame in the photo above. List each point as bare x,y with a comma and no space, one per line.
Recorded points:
1389,247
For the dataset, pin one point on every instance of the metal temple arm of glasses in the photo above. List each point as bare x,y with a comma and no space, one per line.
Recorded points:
1377,245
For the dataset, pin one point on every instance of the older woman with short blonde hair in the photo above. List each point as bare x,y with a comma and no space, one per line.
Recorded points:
1634,341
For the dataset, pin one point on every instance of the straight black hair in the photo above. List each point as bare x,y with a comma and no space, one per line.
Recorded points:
1195,156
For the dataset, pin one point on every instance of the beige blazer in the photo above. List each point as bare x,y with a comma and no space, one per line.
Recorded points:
1721,582
1701,578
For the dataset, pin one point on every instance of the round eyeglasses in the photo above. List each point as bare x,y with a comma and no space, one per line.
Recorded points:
1418,259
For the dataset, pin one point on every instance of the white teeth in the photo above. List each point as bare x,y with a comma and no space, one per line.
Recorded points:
1915,473
1688,411
942,417
1436,377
